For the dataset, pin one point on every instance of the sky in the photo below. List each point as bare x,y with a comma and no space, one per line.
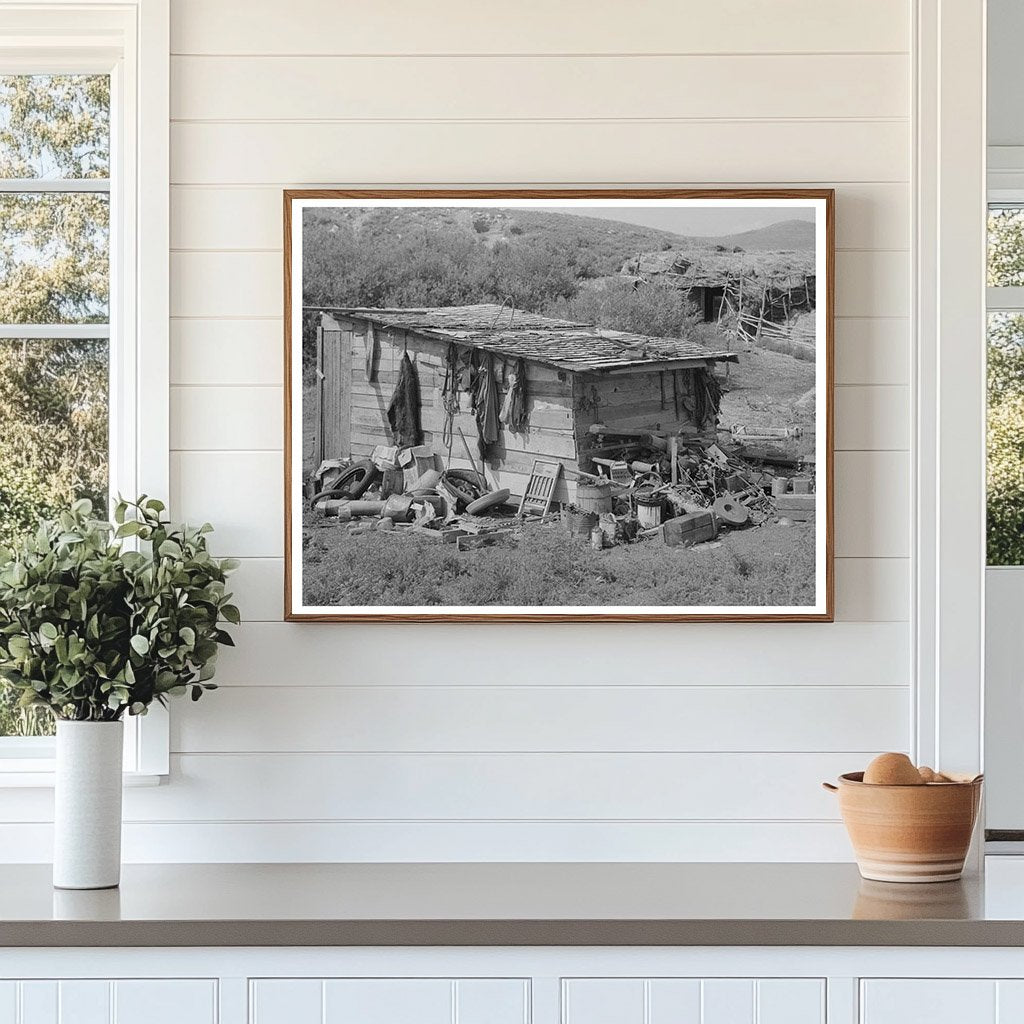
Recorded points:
689,220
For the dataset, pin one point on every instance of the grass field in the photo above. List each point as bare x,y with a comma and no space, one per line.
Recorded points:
770,566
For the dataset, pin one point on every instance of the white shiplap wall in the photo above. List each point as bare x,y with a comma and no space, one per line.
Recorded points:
683,741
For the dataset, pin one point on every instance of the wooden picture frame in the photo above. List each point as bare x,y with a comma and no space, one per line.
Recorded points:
434,325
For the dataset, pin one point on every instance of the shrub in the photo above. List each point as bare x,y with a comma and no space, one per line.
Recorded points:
90,630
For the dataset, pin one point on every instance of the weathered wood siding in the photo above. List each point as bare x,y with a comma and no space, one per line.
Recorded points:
335,388
634,401
549,434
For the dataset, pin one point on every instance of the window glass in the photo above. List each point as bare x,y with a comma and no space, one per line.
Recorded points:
54,126
54,273
54,257
1005,485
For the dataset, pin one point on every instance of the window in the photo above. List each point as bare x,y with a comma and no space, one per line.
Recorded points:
84,125
54,308
1005,477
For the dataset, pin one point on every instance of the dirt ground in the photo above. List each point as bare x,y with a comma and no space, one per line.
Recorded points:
764,389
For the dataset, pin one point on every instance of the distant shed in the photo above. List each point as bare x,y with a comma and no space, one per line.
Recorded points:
765,285
576,375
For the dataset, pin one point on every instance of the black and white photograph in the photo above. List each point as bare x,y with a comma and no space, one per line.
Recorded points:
575,406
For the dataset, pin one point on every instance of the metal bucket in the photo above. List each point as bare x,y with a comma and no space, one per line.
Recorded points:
649,509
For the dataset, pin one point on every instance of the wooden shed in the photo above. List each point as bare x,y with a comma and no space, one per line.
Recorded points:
576,375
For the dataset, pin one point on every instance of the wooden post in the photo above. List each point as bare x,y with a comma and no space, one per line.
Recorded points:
673,454
318,437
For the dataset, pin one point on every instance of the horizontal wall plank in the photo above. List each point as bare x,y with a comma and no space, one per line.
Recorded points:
258,586
571,151
227,352
872,283
872,590
868,216
577,654
236,284
872,504
867,589
536,26
459,842
241,284
493,719
444,786
238,418
241,493
535,87
872,418
872,350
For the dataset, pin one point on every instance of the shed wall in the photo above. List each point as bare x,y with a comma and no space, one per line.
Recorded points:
549,433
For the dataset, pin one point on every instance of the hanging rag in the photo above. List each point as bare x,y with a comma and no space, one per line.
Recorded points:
513,409
486,404
708,398
372,353
404,410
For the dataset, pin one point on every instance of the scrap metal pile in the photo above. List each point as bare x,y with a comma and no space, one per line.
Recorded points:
683,490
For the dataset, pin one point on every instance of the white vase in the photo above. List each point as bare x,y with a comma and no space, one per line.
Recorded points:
87,805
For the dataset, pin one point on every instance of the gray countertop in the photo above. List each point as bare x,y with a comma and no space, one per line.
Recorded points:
505,904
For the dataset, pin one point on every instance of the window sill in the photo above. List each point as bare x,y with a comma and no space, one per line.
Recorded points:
38,773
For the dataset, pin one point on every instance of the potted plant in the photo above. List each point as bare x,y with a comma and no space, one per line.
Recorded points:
99,620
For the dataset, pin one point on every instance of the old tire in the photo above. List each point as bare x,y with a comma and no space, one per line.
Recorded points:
492,500
352,483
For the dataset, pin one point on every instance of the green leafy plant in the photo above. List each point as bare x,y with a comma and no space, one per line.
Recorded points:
92,629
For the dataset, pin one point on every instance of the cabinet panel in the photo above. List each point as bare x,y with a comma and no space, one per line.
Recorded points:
84,1002
8,1002
790,1001
674,1000
389,1001
929,1001
165,1002
603,1001
694,1001
102,1001
38,1002
490,1001
727,1001
286,1001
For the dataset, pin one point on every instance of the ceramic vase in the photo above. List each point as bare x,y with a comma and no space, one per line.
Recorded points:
87,805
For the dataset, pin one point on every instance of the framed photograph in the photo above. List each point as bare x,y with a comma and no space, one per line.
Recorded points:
558,405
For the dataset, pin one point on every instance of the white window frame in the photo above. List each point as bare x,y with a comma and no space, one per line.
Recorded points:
130,41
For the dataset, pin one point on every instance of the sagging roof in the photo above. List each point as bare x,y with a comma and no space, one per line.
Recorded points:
563,344
703,268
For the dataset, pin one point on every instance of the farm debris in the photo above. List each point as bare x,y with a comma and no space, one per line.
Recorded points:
685,490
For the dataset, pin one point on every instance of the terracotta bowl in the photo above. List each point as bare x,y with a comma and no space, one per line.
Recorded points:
909,833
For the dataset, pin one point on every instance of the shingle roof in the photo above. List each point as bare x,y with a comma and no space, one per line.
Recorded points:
563,344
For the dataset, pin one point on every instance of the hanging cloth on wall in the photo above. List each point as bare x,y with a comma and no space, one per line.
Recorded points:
404,410
707,398
513,409
486,404
372,353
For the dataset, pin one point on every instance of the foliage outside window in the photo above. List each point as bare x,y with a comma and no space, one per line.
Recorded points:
54,308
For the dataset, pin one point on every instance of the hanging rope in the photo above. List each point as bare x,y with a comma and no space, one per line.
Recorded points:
450,393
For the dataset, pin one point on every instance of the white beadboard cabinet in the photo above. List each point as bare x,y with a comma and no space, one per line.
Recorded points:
513,985
107,1001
